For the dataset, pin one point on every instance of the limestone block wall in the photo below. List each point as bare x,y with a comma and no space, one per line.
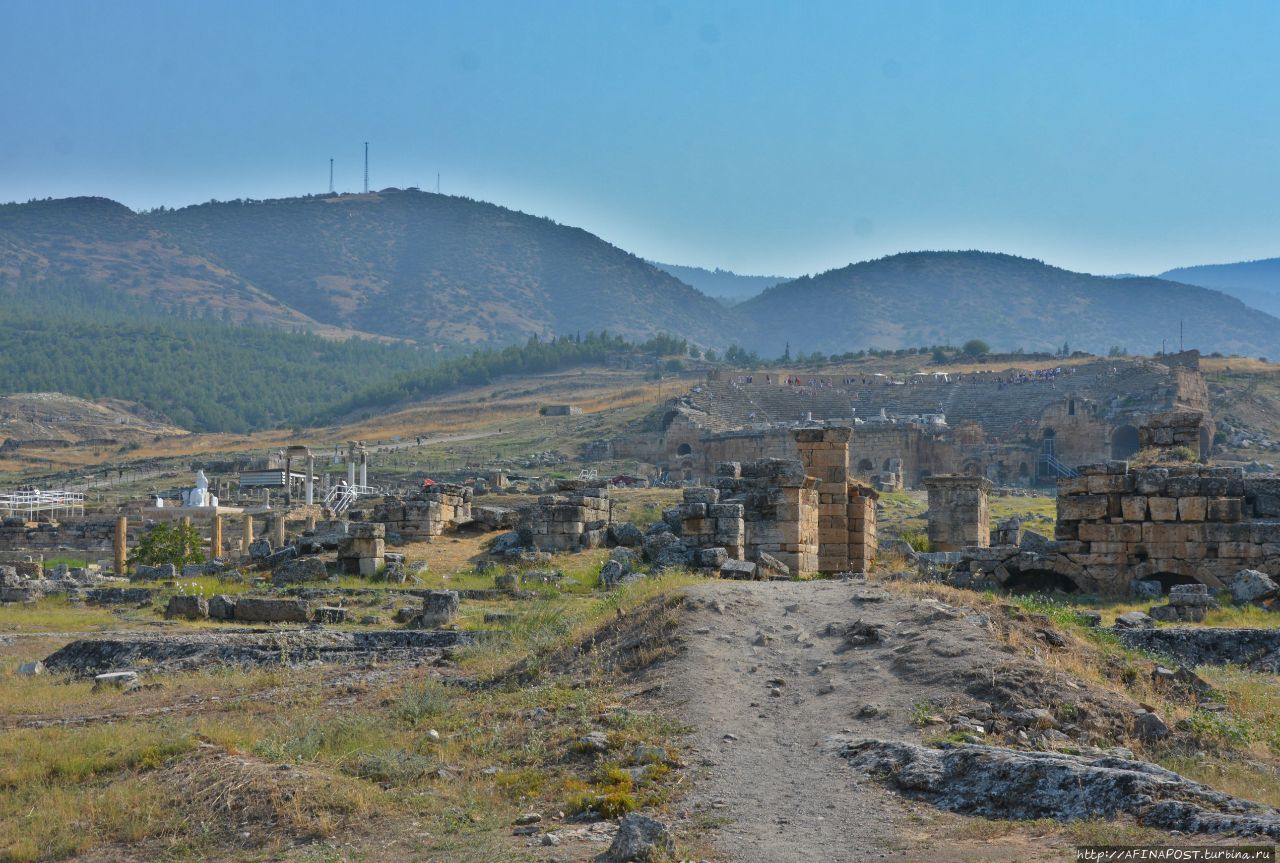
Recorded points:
569,522
959,512
863,542
1188,522
825,455
428,514
780,510
1181,428
705,522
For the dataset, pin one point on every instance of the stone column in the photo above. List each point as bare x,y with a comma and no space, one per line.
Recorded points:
863,541
277,531
247,539
825,454
311,521
364,467
351,469
959,512
288,479
122,543
310,483
215,549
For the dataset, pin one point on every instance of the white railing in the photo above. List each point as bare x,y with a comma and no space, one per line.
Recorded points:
340,497
30,503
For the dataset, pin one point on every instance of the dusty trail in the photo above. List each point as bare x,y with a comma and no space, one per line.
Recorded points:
759,668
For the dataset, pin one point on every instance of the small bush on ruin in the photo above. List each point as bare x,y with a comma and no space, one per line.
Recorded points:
178,544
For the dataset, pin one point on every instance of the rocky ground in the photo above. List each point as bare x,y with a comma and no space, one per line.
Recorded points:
780,679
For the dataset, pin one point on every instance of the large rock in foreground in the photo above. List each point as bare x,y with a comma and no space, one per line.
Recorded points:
1006,783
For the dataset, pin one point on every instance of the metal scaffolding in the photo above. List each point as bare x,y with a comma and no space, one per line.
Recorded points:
32,502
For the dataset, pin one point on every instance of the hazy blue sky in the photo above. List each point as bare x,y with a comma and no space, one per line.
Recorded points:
763,137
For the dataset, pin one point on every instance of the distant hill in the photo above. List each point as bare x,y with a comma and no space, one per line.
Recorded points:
1257,283
928,298
404,264
721,284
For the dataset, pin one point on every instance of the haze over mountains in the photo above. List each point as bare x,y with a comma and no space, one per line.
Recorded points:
450,271
1257,283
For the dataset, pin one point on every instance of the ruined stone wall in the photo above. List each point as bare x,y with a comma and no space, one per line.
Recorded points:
1180,428
780,510
1193,523
863,540
577,518
75,533
426,515
959,512
1080,430
705,522
824,452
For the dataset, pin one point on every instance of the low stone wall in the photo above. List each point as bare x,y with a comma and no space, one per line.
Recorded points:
1186,523
576,519
426,515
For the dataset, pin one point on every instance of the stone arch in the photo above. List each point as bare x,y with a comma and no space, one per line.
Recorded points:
1124,442
865,466
1039,581
973,468
1023,470
1172,579
684,449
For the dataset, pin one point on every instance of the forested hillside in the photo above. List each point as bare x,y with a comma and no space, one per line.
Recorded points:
440,270
949,297
1256,283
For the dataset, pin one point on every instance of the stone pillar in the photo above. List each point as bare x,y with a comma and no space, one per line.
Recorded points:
288,479
351,469
959,512
364,467
215,549
311,521
247,539
310,482
122,544
863,541
277,531
825,455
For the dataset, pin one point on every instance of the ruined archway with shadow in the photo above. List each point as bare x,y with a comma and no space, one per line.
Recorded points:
1172,579
1124,442
1039,581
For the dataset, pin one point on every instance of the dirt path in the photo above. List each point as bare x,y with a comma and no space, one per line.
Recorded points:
773,698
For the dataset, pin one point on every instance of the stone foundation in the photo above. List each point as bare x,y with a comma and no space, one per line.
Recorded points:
428,514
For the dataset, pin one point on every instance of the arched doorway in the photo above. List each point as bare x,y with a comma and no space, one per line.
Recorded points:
1171,579
684,449
1039,581
865,466
1124,442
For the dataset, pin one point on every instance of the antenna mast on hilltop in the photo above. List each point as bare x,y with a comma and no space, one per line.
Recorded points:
366,167
331,176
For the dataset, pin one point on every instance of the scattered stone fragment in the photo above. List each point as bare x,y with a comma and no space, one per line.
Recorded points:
639,839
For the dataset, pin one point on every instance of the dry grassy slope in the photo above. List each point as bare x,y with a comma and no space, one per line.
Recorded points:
100,246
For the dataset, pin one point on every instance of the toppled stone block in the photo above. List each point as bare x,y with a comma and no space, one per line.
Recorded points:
163,572
260,549
253,609
1250,585
299,571
114,679
187,608
222,607
330,614
1134,620
768,566
31,669
626,534
742,570
439,607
